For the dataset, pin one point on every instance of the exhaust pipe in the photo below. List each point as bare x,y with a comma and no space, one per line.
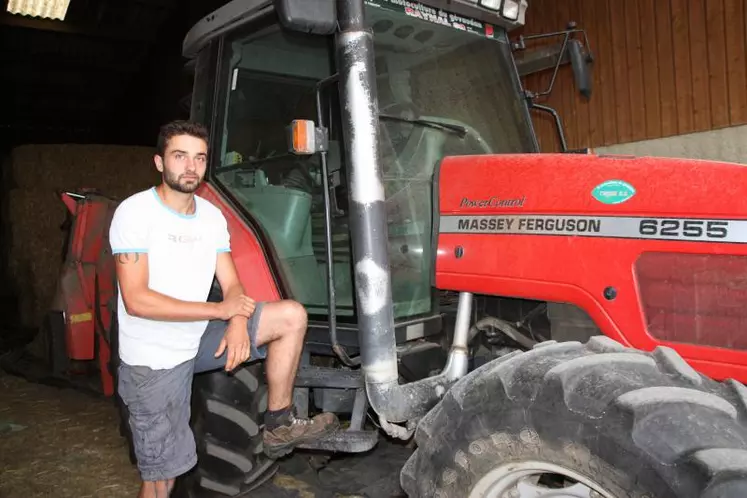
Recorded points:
360,123
395,402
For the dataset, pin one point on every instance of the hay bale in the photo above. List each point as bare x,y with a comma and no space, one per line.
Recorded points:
35,250
76,166
25,156
33,213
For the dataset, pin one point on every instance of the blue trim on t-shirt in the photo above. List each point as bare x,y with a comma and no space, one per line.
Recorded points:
137,249
224,249
167,208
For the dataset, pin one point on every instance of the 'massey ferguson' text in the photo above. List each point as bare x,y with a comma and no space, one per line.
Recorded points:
553,225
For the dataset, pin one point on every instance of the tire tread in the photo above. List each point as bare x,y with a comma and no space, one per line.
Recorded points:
671,362
633,390
230,407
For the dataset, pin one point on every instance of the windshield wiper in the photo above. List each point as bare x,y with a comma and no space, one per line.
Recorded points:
460,130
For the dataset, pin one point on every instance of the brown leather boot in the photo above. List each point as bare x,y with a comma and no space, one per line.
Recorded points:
294,431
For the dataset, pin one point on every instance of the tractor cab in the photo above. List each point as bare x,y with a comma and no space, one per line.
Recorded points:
446,85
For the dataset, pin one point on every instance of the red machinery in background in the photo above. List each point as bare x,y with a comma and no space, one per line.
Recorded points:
77,327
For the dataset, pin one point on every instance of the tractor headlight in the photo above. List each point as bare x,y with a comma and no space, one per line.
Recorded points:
511,10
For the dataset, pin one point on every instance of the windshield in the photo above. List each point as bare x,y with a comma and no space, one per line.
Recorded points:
456,75
442,91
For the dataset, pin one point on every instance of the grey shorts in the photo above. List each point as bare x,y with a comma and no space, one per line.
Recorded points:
158,402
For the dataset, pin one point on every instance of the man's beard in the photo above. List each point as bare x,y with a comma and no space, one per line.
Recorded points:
173,182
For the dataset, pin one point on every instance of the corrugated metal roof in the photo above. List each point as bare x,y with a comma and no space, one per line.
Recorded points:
49,9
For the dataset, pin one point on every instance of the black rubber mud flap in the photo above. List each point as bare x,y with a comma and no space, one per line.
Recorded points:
640,425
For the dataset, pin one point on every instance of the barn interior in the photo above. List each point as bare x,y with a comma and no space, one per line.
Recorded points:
82,100
85,87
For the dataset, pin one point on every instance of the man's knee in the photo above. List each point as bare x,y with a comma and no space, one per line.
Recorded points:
294,317
290,319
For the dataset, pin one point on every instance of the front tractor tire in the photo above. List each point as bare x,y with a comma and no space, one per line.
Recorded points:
227,412
226,416
619,421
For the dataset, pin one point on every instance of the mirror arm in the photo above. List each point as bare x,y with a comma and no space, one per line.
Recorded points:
567,36
563,49
558,123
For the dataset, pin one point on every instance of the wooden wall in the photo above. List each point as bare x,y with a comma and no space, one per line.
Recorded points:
662,68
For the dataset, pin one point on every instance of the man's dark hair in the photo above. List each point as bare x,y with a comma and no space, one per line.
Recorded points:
179,127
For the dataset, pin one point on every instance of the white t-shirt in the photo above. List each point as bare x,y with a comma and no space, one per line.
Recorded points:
182,253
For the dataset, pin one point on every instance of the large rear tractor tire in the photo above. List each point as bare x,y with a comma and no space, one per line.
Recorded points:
227,412
621,422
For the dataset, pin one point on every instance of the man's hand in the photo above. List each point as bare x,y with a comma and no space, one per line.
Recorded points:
236,342
238,304
238,309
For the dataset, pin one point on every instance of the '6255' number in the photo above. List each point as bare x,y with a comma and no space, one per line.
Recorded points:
685,228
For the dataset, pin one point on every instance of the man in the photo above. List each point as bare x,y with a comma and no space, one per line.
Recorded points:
169,244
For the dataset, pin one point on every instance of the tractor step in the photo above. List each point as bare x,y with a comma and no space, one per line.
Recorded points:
314,376
349,441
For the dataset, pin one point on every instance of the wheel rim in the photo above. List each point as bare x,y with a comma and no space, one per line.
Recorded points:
521,480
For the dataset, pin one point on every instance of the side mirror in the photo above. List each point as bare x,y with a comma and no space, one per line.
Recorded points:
305,138
317,17
581,74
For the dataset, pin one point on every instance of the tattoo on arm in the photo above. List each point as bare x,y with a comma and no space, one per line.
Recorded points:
128,257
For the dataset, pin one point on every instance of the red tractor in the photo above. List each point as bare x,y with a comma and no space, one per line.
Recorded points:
540,324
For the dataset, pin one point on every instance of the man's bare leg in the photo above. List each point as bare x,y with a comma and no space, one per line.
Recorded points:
282,326
156,489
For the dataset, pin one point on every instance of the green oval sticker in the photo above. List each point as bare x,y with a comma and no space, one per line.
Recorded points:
613,192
